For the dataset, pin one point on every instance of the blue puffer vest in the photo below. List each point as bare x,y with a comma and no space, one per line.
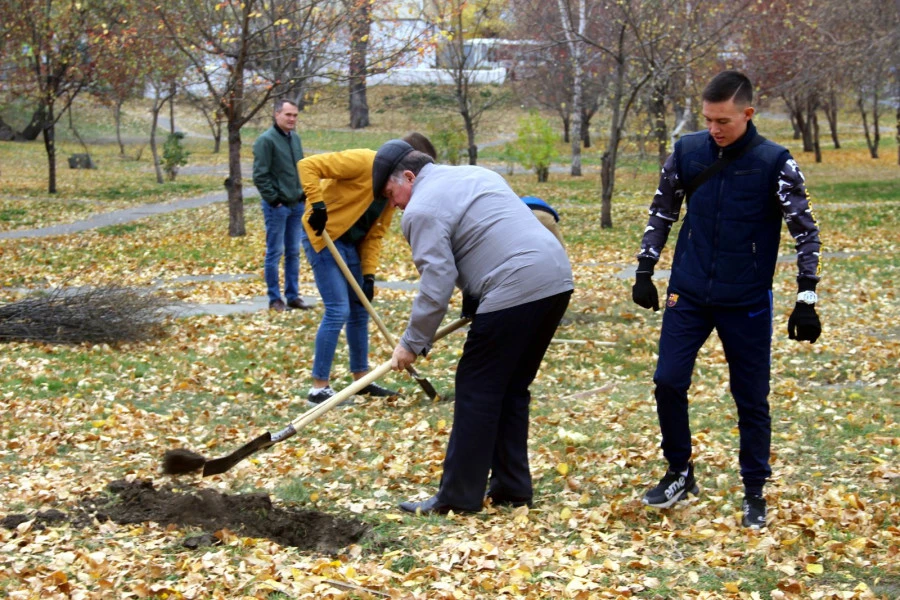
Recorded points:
728,243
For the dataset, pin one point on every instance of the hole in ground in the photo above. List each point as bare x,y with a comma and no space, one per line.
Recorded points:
251,515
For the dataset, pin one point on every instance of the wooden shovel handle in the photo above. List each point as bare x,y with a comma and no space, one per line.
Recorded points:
315,412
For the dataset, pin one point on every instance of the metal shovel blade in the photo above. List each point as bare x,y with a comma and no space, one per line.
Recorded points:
220,465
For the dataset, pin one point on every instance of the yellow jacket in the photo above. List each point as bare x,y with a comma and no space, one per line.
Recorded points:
343,181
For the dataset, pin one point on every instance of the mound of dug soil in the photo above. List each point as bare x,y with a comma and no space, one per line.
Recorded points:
251,515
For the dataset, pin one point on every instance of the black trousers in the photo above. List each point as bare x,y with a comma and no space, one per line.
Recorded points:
746,334
500,359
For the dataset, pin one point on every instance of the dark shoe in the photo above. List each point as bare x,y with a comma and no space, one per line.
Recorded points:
432,506
672,487
316,398
373,389
754,508
509,501
277,306
298,303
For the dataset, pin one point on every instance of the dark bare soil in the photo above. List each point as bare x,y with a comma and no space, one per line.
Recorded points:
251,515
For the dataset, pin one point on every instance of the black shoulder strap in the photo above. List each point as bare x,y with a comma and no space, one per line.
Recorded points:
717,166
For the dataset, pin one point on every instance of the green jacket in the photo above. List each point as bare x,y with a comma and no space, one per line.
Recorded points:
275,158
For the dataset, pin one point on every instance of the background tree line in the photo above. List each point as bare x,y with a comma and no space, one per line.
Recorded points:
641,63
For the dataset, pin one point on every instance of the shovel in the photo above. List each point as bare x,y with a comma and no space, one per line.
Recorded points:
180,461
423,383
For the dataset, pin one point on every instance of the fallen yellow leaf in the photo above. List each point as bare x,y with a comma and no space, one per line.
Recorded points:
815,568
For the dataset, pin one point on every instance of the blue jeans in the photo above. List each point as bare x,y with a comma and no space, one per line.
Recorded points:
341,308
283,228
746,334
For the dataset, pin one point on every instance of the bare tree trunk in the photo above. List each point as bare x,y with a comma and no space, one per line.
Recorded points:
154,120
359,106
361,22
876,121
236,226
793,119
807,126
173,87
215,126
608,160
585,130
797,107
574,38
658,110
117,112
577,99
35,127
472,147
815,129
831,113
686,120
607,182
49,133
871,141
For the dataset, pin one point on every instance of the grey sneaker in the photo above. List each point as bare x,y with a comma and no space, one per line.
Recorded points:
754,509
672,487
316,398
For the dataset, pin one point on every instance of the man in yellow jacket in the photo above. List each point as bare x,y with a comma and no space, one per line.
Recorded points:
339,199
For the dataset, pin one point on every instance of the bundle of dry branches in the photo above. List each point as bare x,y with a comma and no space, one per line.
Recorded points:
104,314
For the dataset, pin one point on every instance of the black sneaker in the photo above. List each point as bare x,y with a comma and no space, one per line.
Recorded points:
672,487
316,398
373,389
754,508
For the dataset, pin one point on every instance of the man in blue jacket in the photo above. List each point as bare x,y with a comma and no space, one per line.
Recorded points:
275,156
737,186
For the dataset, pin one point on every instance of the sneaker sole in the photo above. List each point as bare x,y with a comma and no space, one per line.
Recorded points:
756,526
694,490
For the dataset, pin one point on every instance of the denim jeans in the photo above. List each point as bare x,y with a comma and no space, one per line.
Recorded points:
283,228
341,308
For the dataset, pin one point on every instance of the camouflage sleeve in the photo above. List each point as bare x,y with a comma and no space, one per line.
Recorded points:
664,211
801,223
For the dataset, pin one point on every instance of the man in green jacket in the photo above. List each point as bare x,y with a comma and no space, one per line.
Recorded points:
275,156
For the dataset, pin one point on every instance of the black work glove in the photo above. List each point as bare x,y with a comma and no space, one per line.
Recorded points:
318,218
469,307
643,292
803,324
368,286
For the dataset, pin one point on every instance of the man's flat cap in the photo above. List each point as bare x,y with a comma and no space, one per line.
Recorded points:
386,160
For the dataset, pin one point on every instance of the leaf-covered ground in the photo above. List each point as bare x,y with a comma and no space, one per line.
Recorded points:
77,418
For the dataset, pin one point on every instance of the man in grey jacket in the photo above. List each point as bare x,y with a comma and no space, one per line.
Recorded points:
467,228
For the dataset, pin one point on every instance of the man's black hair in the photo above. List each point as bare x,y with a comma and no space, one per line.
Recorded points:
729,85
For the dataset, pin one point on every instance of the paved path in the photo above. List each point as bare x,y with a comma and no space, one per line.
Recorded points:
182,309
125,215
